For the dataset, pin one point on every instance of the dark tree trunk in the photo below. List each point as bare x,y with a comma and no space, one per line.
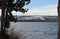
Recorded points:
58,19
3,31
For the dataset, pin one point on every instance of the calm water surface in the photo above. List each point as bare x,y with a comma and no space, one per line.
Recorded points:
37,30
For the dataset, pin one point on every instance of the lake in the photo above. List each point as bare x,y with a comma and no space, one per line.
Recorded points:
36,30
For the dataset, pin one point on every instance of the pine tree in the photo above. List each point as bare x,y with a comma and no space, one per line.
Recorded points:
7,7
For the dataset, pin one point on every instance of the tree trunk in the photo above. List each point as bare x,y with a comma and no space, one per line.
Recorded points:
58,19
3,20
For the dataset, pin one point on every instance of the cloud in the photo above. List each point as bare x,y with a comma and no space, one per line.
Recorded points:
44,10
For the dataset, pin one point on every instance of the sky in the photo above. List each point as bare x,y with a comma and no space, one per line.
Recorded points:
40,3
40,7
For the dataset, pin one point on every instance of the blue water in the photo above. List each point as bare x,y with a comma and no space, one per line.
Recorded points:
37,30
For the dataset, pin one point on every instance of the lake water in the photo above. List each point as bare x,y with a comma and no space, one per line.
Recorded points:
36,30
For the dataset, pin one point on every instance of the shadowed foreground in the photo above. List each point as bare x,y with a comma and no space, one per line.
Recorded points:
11,34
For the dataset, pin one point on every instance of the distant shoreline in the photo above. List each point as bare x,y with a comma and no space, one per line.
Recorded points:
36,18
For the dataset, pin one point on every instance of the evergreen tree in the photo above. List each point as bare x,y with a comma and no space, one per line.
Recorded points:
9,7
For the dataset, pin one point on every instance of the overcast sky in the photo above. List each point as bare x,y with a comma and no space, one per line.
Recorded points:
41,7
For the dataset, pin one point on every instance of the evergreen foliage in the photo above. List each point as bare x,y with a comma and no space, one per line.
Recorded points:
9,7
